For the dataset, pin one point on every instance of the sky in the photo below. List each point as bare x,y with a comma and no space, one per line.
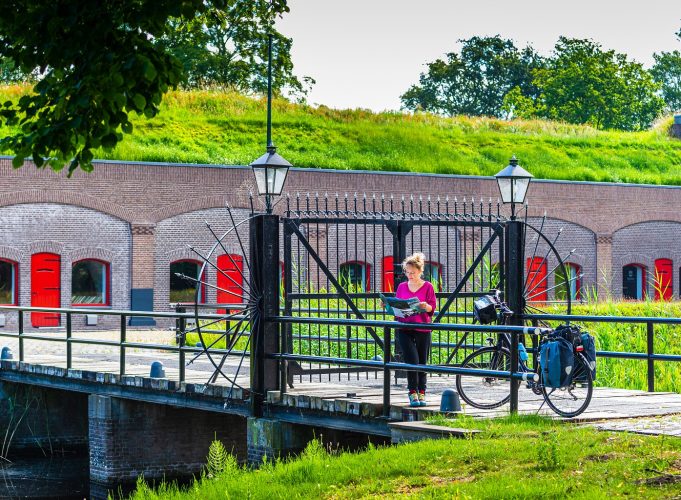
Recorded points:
366,53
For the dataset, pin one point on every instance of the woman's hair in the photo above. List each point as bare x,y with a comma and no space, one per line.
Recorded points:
418,260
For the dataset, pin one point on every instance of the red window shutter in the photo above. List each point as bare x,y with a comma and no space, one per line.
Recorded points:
230,284
45,287
663,279
536,280
388,284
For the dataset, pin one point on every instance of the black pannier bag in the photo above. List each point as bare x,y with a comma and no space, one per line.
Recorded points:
557,360
484,310
589,352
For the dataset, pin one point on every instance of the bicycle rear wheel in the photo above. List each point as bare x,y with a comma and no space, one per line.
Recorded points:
485,392
572,400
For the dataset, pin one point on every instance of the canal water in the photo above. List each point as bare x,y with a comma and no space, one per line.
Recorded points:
52,477
62,477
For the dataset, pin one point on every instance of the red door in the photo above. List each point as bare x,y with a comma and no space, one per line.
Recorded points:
388,284
536,280
663,279
230,280
45,287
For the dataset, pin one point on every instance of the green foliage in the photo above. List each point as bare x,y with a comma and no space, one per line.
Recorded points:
500,462
547,452
219,461
99,65
582,83
667,73
229,50
475,81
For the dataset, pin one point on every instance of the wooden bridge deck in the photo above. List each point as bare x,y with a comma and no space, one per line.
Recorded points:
358,394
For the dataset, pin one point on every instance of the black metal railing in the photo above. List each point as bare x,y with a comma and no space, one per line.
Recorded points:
649,356
122,343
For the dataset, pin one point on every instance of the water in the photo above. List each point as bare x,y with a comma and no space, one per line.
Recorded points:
51,477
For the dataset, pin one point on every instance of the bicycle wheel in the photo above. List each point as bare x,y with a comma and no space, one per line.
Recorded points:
572,400
485,392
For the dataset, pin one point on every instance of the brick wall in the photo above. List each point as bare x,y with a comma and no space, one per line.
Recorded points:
142,216
74,233
128,438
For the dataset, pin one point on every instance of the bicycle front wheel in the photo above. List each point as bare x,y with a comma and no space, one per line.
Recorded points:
573,399
485,392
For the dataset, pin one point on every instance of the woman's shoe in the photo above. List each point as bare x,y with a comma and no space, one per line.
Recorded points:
414,399
422,399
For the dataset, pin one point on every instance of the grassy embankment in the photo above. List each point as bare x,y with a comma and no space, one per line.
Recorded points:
227,128
522,457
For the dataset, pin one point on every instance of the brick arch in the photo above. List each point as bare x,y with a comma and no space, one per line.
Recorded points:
69,198
46,246
11,253
657,220
198,203
91,253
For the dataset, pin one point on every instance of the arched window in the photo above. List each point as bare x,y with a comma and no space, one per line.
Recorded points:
634,281
90,283
569,283
182,289
536,280
432,271
231,279
355,275
9,282
662,281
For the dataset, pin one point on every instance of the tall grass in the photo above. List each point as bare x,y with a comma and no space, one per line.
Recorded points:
227,128
515,457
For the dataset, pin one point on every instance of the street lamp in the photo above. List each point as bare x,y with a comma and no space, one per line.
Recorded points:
513,183
271,168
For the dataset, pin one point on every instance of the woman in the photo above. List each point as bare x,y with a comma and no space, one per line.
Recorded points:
415,342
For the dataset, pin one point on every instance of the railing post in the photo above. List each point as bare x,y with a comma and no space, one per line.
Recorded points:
386,370
21,335
264,249
514,243
181,341
122,347
68,341
287,328
651,361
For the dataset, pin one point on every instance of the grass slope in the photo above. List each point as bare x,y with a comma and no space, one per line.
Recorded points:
228,128
521,457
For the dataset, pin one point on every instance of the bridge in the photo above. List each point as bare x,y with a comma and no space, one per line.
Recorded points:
304,352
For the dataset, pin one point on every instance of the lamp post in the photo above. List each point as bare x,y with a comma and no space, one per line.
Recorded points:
270,169
513,182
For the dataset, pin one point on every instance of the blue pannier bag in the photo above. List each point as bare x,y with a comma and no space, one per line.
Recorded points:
557,360
589,353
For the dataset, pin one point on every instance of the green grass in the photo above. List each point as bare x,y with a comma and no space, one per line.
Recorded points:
228,128
514,457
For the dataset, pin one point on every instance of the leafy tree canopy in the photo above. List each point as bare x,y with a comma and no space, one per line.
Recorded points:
579,83
582,83
667,72
215,51
99,62
475,81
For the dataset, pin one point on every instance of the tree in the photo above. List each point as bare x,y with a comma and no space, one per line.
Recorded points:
98,62
667,72
230,51
582,83
475,81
